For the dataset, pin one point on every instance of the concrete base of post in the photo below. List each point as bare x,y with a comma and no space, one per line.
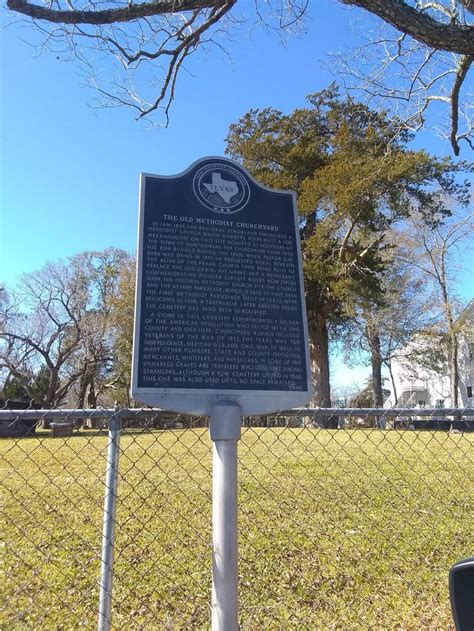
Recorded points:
224,429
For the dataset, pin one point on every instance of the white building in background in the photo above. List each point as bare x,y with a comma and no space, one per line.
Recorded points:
430,388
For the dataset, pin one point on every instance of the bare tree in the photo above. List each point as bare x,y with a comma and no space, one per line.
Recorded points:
378,331
99,353
58,322
422,63
427,62
149,42
431,252
95,358
41,329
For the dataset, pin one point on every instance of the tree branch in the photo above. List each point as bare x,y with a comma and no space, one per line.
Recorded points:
452,37
463,69
110,16
26,340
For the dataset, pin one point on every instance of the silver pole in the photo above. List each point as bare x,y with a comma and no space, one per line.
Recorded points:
108,532
224,429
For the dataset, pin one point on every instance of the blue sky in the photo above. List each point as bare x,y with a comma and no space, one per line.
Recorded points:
69,173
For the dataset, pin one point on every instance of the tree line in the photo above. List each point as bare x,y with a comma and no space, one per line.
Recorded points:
378,223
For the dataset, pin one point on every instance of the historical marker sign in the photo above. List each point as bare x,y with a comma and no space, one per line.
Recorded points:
220,312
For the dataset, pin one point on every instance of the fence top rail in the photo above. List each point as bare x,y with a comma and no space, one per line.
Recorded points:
325,412
143,413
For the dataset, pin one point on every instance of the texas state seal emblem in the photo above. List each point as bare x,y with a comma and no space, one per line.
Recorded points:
221,188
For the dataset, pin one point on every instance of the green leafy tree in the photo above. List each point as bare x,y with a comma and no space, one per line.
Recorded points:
355,177
365,397
121,306
13,390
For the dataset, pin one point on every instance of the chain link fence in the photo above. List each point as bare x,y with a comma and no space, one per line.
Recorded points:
348,518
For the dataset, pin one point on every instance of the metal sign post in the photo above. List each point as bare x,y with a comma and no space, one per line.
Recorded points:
220,322
224,429
108,533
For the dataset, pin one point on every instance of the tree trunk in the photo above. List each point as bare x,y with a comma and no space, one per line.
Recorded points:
82,391
92,396
453,342
376,361
320,363
392,380
50,397
454,369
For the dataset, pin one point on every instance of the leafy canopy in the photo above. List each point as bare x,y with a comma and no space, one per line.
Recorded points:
355,176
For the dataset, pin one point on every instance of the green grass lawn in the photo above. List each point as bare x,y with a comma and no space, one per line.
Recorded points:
338,529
